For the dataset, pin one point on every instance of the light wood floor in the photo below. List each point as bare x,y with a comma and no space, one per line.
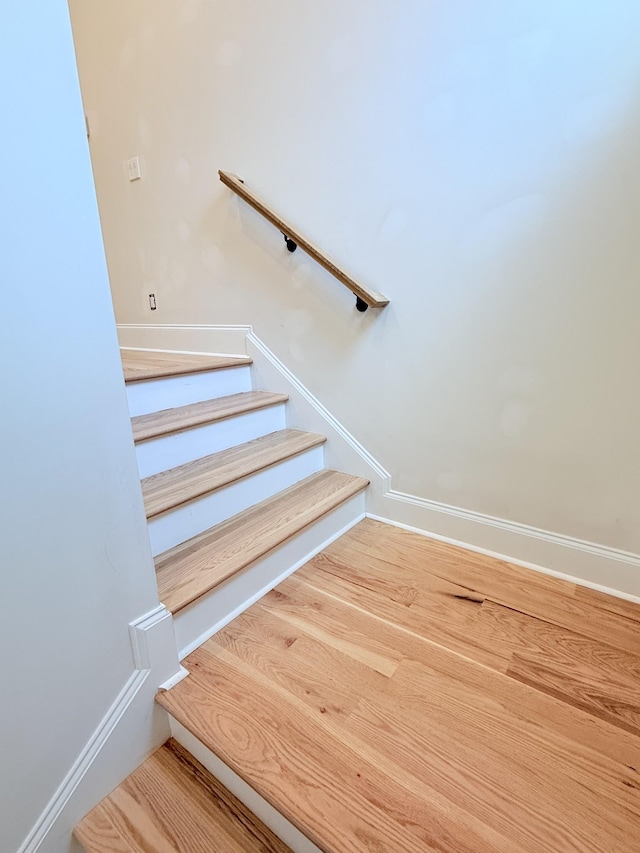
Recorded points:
172,804
399,694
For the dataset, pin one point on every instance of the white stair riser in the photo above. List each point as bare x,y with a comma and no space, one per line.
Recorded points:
202,619
185,521
256,804
169,451
154,395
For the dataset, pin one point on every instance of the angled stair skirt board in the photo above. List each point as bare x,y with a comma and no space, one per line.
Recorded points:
611,570
116,747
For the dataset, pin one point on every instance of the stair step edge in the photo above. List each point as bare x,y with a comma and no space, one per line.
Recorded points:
142,365
196,567
172,421
169,489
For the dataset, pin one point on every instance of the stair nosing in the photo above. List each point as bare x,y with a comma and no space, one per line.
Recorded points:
155,373
268,400
280,535
313,440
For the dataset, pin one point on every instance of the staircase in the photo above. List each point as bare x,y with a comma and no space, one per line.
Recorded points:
235,502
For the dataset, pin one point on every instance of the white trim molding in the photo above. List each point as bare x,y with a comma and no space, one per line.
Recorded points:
62,797
587,563
153,642
130,730
256,345
216,340
595,566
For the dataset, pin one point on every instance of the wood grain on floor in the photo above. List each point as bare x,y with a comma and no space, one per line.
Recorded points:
398,693
172,804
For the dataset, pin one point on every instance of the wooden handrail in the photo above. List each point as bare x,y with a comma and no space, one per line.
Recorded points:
365,297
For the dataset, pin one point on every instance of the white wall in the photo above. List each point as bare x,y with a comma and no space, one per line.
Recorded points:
76,565
475,161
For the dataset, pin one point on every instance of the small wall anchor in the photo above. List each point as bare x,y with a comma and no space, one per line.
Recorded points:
291,245
361,305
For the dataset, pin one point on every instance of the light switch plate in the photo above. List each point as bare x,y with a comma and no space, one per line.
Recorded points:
133,169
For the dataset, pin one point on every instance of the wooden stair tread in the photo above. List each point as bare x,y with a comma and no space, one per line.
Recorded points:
184,483
172,804
139,365
170,421
195,567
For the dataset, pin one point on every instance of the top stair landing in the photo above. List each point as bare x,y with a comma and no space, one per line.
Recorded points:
139,365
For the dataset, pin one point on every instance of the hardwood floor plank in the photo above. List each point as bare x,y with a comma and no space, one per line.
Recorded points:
327,680
366,638
453,721
171,804
600,679
348,630
530,592
530,788
289,756
352,798
609,603
422,554
450,623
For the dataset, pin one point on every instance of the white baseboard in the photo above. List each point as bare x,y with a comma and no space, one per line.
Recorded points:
130,730
585,563
596,566
133,727
276,822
